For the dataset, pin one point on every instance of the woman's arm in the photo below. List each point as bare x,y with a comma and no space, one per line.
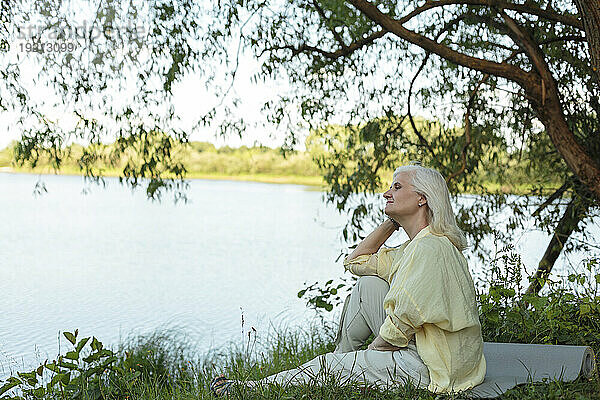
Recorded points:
373,242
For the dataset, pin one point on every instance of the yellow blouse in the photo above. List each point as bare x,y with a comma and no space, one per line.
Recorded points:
431,297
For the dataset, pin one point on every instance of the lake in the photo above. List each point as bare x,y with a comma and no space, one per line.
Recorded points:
113,264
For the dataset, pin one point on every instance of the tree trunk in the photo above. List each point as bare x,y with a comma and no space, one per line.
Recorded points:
589,10
574,213
540,86
547,105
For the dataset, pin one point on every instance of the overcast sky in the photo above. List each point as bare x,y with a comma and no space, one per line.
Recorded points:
190,99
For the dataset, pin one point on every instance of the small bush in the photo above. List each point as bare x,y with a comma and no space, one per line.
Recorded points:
567,311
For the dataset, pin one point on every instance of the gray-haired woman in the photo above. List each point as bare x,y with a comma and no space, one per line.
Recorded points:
418,300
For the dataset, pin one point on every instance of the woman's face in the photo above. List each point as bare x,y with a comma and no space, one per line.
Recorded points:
401,198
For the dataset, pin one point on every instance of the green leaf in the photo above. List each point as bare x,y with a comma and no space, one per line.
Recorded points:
493,316
92,357
97,355
68,365
12,382
40,370
55,379
301,293
70,337
53,367
96,344
72,355
106,352
108,361
65,378
513,316
89,372
26,374
29,377
81,343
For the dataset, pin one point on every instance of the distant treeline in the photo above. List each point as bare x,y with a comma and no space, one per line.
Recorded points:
206,158
261,163
202,160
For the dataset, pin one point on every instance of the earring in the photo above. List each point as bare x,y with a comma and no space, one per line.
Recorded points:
420,204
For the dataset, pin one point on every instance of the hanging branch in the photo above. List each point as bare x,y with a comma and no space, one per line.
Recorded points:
467,122
558,193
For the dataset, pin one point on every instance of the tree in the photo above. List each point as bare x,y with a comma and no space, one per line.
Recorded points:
536,80
112,68
531,60
590,16
516,80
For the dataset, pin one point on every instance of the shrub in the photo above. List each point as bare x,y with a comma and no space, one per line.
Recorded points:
567,311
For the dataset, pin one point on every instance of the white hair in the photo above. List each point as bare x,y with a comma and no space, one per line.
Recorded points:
430,184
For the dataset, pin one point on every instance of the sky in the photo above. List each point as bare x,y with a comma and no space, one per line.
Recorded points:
189,97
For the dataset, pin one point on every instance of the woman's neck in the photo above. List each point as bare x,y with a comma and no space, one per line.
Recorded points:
412,228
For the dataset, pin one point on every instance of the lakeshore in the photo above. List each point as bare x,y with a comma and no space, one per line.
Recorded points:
314,182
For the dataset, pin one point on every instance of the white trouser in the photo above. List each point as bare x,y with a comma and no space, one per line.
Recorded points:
362,316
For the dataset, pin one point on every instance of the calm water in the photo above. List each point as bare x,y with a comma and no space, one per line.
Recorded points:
113,264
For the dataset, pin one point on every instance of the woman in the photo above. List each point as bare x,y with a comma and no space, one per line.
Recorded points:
418,300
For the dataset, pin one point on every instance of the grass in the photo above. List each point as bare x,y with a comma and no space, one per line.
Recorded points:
169,374
165,366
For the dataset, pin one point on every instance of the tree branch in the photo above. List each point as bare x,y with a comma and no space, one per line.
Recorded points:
526,42
422,139
522,8
388,23
546,101
346,50
332,55
558,193
573,214
573,38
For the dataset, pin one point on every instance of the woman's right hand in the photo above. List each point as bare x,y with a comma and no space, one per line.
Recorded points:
380,344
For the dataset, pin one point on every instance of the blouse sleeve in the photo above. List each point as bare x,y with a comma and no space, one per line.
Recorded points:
377,264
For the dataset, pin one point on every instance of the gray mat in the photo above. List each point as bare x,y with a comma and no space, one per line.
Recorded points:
510,364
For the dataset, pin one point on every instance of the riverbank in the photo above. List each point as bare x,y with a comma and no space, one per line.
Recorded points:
167,365
258,164
315,182
164,366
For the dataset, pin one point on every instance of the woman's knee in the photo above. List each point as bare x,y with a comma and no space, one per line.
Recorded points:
371,285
